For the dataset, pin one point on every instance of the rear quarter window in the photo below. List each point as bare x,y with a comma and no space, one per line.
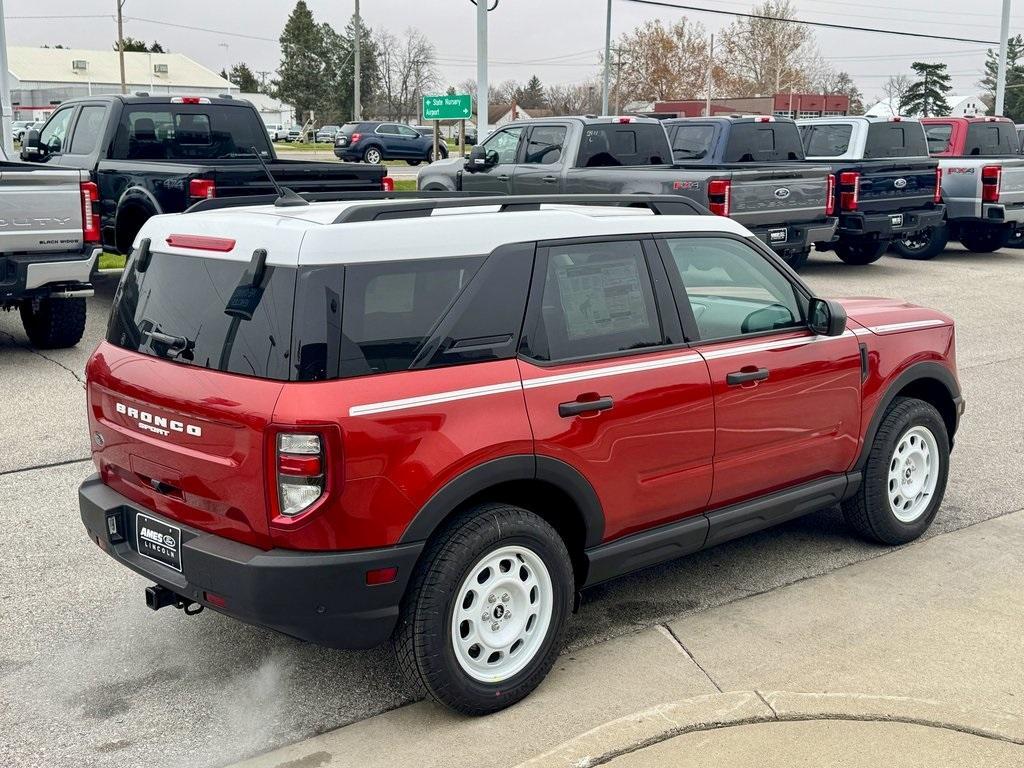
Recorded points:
826,140
615,144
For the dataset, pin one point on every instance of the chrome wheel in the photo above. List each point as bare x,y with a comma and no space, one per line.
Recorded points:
913,473
372,156
501,614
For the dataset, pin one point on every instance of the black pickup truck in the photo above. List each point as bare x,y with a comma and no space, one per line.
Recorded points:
880,188
784,204
149,155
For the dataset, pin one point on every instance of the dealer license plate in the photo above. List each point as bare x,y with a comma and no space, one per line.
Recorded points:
158,541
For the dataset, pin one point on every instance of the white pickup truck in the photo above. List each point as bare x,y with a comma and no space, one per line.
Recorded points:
49,247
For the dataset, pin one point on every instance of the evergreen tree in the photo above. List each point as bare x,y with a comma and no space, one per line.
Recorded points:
532,95
927,95
1013,106
301,79
139,46
243,77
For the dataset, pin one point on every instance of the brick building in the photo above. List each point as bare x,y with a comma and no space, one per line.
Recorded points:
793,105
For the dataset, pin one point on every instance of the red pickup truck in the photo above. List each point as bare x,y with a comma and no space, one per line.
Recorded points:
445,428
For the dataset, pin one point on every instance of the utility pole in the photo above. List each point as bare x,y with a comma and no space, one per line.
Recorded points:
120,44
481,66
607,59
5,90
357,107
711,65
618,77
1004,34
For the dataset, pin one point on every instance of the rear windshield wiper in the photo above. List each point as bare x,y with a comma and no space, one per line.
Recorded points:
173,346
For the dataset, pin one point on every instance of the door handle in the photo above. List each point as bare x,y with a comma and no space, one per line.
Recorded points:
550,179
502,177
744,376
576,407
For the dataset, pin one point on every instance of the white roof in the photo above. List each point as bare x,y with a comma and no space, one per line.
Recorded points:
447,233
54,65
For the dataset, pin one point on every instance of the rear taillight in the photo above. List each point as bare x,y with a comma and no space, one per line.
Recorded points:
830,195
991,180
202,188
387,184
718,196
849,190
356,137
938,185
624,120
201,243
301,472
90,216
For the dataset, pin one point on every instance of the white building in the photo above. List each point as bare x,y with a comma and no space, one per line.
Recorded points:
966,105
41,78
271,110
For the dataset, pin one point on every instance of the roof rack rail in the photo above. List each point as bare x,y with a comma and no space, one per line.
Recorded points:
218,203
664,205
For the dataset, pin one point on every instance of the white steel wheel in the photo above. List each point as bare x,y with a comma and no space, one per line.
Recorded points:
372,156
501,613
913,473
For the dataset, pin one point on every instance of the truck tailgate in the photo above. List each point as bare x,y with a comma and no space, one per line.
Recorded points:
784,194
896,185
40,208
1011,186
298,175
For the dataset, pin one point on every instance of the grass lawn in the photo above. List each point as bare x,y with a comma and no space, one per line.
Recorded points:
111,261
405,185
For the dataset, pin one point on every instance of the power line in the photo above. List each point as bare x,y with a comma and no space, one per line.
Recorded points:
823,24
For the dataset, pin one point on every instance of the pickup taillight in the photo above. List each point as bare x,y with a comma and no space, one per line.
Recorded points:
830,195
938,185
991,181
204,189
719,192
90,214
301,472
849,190
387,184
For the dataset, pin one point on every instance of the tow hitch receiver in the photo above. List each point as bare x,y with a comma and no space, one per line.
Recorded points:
158,597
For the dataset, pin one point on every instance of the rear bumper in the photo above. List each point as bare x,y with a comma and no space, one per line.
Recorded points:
882,226
797,236
321,597
347,153
40,275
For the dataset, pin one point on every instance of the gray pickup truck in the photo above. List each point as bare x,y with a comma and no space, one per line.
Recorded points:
783,204
49,238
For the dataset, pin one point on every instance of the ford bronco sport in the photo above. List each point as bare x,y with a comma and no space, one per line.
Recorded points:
438,420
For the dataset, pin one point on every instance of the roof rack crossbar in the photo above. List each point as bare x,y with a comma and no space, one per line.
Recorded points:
658,204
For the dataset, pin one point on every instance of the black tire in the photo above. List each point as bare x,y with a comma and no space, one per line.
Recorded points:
373,152
413,162
984,239
861,251
869,512
797,259
922,246
55,324
423,637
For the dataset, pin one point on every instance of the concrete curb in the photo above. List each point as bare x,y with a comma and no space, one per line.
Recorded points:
724,710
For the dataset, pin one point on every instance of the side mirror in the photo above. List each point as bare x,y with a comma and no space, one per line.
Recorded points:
477,159
827,318
31,148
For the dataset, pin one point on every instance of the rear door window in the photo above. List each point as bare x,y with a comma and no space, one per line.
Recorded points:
88,130
544,146
597,299
891,139
178,310
826,140
614,144
691,142
938,135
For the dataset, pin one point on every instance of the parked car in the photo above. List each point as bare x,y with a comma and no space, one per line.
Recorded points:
374,142
424,130
49,245
632,155
276,131
158,154
982,185
443,431
886,187
327,134
19,129
294,134
471,136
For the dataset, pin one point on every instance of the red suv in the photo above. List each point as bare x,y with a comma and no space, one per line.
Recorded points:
439,420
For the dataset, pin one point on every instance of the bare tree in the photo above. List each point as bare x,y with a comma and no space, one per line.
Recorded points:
575,99
895,91
762,56
660,62
408,70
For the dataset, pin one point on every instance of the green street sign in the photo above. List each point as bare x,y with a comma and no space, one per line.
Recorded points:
458,107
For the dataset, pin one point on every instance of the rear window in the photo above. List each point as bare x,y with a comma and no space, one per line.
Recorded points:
691,142
623,144
763,142
826,140
177,310
937,135
903,139
991,139
188,132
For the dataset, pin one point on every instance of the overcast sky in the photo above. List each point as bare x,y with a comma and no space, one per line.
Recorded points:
559,40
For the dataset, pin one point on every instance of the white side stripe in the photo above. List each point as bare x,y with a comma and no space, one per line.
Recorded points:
906,326
440,397
612,370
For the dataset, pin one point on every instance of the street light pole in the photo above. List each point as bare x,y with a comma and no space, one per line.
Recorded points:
357,108
711,66
607,59
1004,34
120,44
481,68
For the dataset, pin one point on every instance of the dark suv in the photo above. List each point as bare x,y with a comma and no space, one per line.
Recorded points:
374,142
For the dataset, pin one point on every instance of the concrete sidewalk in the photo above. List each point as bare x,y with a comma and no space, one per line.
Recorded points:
911,658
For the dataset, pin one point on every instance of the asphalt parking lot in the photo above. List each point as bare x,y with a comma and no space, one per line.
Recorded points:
90,677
